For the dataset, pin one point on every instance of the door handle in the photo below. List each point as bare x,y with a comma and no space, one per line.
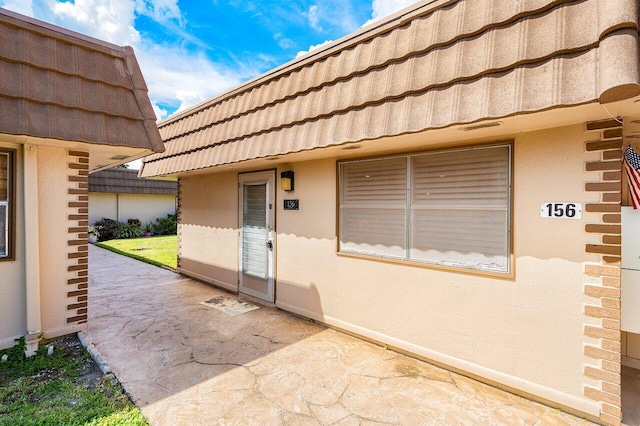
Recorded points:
270,244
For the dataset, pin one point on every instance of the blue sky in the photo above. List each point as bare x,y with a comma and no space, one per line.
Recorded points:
191,50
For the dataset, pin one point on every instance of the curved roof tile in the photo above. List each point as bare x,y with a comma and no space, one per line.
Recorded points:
410,74
59,84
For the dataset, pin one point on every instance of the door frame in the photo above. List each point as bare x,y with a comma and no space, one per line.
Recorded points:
267,177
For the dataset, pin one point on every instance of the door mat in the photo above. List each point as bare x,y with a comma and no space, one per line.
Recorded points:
229,305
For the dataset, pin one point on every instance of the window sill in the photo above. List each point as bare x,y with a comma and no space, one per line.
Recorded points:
509,276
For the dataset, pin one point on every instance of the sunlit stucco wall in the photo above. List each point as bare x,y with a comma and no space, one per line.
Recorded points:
208,228
121,207
526,332
54,223
52,170
12,277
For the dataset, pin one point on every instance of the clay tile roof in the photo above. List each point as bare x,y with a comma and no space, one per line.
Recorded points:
124,181
433,65
62,85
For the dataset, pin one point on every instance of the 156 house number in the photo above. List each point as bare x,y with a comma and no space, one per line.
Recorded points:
561,210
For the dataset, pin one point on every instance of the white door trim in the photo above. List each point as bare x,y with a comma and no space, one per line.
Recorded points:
267,178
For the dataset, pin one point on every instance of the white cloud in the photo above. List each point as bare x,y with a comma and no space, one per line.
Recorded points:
160,112
159,10
313,18
311,48
283,42
135,164
175,76
384,8
331,15
188,98
110,20
181,78
381,9
24,7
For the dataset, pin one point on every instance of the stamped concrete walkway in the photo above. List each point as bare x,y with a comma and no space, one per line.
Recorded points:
187,364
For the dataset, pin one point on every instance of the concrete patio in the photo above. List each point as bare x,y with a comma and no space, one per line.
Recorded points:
184,363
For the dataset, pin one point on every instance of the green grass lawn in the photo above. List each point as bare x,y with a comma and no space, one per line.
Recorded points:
64,388
159,251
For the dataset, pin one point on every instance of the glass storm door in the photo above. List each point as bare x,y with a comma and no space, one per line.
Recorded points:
257,203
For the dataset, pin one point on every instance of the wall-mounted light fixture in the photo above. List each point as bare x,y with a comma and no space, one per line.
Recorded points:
286,180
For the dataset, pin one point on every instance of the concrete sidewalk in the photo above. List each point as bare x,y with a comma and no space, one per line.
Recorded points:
185,364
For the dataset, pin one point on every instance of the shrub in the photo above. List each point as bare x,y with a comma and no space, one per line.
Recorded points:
93,231
16,354
167,225
106,229
134,222
148,227
125,230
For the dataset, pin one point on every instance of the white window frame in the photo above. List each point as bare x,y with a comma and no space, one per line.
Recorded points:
8,203
505,268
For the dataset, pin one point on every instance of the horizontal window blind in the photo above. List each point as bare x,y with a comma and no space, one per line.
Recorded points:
457,212
4,177
254,231
373,206
4,231
460,208
4,204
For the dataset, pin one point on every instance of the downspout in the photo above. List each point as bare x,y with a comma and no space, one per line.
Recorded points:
32,248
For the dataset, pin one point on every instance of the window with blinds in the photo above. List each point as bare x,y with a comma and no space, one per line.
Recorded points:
447,208
5,194
254,230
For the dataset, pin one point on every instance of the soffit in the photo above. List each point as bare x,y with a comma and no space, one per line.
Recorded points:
435,66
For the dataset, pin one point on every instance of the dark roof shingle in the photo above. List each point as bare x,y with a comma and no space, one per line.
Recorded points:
124,181
433,65
62,85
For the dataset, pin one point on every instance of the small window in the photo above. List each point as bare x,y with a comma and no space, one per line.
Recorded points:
6,204
448,208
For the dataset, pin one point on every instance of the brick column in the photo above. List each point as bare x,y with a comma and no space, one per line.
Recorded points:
179,218
78,255
606,354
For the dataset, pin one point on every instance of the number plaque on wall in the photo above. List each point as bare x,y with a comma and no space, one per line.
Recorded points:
561,210
291,204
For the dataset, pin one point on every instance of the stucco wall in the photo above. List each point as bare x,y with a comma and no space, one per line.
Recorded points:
53,226
102,205
146,207
12,302
631,349
526,332
208,228
54,223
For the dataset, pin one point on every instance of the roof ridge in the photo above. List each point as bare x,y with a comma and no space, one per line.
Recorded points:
55,31
386,25
371,30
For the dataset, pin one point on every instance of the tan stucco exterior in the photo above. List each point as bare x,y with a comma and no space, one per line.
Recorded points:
58,138
525,332
54,247
631,349
437,75
52,255
120,207
102,205
13,301
209,223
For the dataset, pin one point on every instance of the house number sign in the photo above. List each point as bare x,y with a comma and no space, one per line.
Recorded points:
553,210
291,204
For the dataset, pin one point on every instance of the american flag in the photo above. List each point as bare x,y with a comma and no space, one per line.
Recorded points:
632,166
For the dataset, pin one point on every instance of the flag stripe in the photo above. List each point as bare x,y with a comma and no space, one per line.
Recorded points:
632,167
633,183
